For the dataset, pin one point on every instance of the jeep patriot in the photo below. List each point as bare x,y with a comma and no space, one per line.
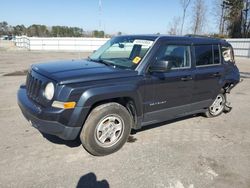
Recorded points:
129,82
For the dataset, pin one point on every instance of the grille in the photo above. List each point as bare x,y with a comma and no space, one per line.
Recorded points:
33,87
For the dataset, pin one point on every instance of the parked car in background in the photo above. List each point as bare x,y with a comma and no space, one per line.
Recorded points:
7,37
128,83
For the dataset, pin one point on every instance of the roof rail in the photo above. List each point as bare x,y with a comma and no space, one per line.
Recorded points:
204,36
200,36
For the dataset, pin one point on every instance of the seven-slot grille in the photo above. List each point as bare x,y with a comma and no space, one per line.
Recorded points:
33,86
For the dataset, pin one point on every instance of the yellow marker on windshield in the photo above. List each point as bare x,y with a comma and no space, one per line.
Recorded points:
136,60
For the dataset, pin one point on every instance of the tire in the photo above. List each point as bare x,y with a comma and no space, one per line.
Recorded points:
218,106
106,129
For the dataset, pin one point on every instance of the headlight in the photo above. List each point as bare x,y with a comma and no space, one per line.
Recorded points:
49,91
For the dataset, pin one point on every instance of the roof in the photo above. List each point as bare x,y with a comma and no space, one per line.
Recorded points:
191,39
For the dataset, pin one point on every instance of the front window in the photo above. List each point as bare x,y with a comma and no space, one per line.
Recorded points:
178,56
123,52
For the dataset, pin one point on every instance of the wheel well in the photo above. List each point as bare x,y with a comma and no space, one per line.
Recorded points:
127,102
227,87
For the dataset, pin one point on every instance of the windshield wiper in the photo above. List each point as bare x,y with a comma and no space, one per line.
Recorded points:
105,62
89,59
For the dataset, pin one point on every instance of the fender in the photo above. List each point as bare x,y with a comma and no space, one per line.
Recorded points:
231,79
94,95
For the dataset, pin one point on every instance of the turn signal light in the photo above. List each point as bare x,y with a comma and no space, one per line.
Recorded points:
64,105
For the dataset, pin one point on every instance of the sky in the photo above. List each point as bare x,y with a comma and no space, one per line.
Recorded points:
127,16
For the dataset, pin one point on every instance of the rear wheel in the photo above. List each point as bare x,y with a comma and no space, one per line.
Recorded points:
217,107
106,129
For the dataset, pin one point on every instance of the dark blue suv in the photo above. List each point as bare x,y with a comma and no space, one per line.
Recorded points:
130,82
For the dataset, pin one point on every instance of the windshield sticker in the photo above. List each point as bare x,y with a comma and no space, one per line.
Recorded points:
136,60
143,42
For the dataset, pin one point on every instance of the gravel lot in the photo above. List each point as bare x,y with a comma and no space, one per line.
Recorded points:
191,152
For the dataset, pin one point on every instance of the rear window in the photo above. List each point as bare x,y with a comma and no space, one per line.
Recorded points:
204,55
227,53
207,55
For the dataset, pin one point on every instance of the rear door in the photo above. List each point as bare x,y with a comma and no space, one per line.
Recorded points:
208,74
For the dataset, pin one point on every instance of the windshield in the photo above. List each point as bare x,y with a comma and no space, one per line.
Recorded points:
123,52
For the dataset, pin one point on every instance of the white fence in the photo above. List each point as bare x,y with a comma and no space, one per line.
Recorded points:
241,46
60,43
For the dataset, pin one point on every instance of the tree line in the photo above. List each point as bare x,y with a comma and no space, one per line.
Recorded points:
232,18
36,30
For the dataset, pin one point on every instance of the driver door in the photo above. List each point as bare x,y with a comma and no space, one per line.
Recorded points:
168,94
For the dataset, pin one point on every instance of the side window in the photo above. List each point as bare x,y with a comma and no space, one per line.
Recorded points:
227,53
216,54
178,56
204,55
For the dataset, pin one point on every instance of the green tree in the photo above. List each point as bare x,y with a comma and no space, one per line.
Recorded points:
4,28
101,34
64,31
54,31
37,31
98,34
95,33
19,30
234,18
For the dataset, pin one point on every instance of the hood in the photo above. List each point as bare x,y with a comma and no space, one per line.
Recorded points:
65,72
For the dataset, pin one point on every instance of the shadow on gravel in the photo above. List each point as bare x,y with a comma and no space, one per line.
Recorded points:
76,142
17,73
131,138
90,181
57,140
168,123
245,74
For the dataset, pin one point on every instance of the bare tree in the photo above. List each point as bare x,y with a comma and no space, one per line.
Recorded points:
184,4
216,11
174,26
199,16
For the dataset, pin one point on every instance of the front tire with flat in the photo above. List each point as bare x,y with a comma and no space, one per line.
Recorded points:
106,129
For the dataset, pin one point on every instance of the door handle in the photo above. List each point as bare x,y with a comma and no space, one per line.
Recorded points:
186,78
217,74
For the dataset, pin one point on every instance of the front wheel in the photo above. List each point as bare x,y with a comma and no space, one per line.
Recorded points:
106,129
217,107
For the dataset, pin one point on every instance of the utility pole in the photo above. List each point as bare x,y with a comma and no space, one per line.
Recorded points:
100,14
185,4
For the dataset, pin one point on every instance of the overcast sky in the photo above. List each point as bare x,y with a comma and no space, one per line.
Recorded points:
127,16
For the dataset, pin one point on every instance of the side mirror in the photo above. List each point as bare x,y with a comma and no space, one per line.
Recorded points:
160,66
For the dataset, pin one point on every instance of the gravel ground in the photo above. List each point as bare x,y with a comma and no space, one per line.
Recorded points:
191,152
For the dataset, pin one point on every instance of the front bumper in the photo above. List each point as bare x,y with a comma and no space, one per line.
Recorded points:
43,121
